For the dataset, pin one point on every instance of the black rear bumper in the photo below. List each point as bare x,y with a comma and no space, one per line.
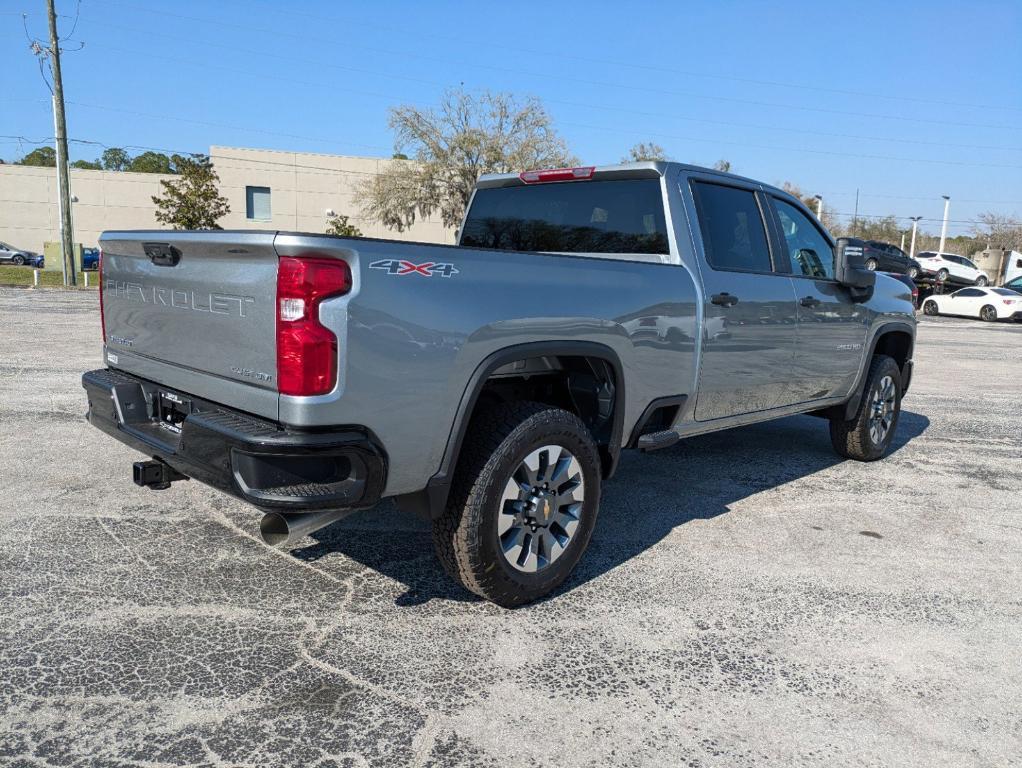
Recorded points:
257,460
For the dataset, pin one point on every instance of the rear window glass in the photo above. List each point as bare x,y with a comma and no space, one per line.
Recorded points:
732,227
1004,291
625,216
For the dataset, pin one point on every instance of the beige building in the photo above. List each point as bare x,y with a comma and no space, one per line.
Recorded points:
291,191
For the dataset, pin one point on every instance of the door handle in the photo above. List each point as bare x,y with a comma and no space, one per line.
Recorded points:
810,301
723,299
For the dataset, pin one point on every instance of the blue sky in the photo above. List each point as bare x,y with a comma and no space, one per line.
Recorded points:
903,101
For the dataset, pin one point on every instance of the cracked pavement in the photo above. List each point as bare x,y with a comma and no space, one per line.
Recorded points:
747,600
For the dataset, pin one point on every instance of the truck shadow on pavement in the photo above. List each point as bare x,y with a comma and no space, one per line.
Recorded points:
697,479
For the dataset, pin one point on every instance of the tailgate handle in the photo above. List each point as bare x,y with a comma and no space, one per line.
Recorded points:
162,254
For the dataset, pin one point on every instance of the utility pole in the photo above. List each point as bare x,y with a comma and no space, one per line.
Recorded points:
903,241
855,216
943,227
819,206
912,248
60,124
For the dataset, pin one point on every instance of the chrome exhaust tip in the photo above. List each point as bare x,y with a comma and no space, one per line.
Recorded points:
287,527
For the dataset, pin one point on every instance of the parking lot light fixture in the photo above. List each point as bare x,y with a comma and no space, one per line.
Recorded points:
943,227
915,225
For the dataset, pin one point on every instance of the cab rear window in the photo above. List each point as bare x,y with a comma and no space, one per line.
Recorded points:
622,216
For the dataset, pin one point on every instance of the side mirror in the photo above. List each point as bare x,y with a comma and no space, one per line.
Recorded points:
850,268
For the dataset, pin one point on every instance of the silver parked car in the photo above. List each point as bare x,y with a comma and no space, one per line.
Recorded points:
11,255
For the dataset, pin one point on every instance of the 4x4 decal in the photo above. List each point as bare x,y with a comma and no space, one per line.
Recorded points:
426,269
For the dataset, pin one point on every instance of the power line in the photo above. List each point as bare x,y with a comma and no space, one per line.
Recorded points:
418,80
546,76
561,53
576,104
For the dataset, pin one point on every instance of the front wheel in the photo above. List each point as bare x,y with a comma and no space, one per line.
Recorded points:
930,308
982,280
19,260
868,435
942,276
988,313
871,265
523,503
913,272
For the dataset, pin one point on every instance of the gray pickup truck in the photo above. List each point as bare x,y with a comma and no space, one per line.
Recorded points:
491,386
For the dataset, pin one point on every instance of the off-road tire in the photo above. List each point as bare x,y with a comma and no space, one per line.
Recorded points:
851,438
465,535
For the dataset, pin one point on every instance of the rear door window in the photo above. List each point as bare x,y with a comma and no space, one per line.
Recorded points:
734,236
617,216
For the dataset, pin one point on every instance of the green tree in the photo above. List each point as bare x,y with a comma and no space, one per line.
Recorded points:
645,151
338,225
115,159
192,201
450,146
89,165
44,157
152,162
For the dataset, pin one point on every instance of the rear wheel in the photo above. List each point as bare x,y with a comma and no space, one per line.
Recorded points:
913,272
868,435
988,313
523,503
871,265
930,308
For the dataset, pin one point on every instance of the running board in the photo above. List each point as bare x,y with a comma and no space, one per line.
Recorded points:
654,441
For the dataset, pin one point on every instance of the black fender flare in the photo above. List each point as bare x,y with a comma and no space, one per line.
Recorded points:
851,407
430,501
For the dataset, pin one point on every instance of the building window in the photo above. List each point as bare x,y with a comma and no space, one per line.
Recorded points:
257,203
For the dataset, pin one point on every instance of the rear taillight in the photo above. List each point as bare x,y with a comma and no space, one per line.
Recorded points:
102,314
306,350
558,174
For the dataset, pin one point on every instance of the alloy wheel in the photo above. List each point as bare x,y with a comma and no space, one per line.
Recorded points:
882,410
540,508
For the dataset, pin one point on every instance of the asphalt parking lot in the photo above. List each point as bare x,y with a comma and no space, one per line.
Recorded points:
747,599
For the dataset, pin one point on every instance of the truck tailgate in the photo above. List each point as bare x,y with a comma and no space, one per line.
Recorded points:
181,307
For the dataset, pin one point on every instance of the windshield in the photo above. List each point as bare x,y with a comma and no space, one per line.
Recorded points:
624,216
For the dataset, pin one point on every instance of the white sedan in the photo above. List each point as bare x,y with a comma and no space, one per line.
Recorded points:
951,266
987,303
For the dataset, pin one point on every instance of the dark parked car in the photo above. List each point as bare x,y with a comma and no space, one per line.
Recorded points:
909,283
890,258
90,258
1015,285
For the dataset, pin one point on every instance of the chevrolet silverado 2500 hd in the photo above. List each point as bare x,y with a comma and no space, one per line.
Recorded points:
492,385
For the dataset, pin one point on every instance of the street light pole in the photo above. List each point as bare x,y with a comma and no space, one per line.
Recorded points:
943,227
819,206
915,224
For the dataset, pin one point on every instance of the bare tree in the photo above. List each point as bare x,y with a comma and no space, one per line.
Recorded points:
467,135
645,151
828,218
999,230
722,165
